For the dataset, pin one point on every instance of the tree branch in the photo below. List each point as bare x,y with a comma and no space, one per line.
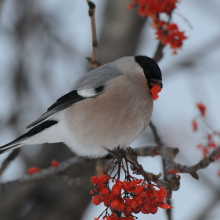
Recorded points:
73,182
167,153
44,173
200,165
173,181
100,166
159,52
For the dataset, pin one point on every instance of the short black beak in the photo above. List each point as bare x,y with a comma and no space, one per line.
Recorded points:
155,81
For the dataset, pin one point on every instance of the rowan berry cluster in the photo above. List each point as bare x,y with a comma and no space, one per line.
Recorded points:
211,139
167,33
128,196
170,34
153,7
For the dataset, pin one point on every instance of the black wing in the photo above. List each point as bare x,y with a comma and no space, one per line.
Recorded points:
64,102
61,104
94,80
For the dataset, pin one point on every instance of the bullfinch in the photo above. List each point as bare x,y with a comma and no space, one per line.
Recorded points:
105,108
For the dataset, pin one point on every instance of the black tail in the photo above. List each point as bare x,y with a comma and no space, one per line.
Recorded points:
18,141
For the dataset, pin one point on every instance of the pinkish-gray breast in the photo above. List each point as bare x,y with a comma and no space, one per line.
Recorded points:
115,118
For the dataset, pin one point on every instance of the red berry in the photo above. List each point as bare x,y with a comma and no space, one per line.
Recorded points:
128,202
94,179
134,183
115,204
121,207
55,163
111,197
126,186
116,189
136,211
107,203
212,144
138,189
138,200
155,200
100,179
119,183
103,178
32,170
145,208
134,204
153,194
96,200
202,108
128,210
144,195
153,210
104,191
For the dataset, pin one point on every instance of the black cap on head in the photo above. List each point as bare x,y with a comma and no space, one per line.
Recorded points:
150,67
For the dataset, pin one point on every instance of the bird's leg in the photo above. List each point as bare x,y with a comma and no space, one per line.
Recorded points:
131,157
118,154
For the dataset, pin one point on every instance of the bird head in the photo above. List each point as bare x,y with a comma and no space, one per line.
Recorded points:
152,73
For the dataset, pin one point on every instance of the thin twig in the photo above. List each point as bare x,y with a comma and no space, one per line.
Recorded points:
155,134
100,165
8,160
94,58
185,19
138,169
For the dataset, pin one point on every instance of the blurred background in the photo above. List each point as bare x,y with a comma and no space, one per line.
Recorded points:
43,50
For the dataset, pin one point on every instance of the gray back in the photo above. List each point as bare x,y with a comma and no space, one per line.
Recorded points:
97,77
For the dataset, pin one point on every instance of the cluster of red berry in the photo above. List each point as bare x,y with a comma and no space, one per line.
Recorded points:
129,197
210,141
153,7
166,33
170,34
